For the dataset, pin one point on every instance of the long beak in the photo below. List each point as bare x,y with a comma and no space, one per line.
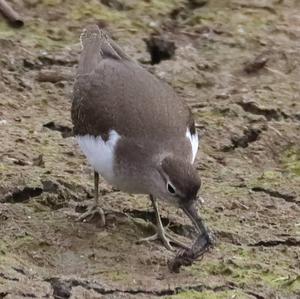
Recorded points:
205,239
191,211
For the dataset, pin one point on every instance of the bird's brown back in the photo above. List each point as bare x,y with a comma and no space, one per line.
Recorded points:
112,92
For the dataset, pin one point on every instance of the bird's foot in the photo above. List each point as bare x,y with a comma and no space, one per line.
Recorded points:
212,239
165,238
94,213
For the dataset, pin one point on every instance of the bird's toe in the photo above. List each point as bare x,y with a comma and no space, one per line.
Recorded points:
94,214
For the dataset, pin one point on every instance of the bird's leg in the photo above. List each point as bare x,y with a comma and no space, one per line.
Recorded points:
94,210
160,231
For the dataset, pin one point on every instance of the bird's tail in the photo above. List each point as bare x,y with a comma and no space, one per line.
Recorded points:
97,45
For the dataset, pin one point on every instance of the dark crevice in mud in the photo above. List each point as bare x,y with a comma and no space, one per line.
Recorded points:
268,113
277,194
45,60
57,194
272,243
4,294
160,48
62,289
60,60
19,270
22,195
184,10
115,4
249,135
196,3
257,63
257,296
228,237
23,295
64,130
28,295
4,276
25,194
297,116
50,186
31,64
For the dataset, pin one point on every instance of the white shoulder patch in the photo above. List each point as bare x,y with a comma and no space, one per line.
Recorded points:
193,138
100,153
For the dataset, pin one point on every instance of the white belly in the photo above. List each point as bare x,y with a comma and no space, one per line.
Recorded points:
100,153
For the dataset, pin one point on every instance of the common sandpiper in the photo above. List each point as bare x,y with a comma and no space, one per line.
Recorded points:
135,131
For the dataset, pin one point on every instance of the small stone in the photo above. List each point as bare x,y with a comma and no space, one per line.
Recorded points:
197,3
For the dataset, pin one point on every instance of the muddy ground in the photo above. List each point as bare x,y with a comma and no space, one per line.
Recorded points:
236,63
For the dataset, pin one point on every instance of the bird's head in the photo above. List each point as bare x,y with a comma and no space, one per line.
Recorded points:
178,182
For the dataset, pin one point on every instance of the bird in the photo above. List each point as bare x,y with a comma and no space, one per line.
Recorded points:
135,131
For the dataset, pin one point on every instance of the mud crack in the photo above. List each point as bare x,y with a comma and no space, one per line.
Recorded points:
56,193
115,4
24,295
22,195
268,113
257,64
249,135
4,276
61,60
277,194
292,242
257,296
62,288
160,48
64,130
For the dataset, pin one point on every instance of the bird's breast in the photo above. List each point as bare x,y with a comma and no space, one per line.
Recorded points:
100,153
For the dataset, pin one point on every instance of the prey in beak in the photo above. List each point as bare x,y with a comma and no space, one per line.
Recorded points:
203,242
190,210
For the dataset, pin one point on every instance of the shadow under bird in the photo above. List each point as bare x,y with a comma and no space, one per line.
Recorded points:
135,131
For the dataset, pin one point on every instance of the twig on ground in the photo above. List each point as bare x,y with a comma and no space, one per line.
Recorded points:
10,14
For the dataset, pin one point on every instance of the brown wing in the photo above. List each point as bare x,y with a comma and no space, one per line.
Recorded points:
113,92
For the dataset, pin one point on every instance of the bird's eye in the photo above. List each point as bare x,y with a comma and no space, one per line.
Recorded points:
171,189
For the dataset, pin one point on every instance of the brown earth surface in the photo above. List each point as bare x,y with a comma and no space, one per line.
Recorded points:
236,63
